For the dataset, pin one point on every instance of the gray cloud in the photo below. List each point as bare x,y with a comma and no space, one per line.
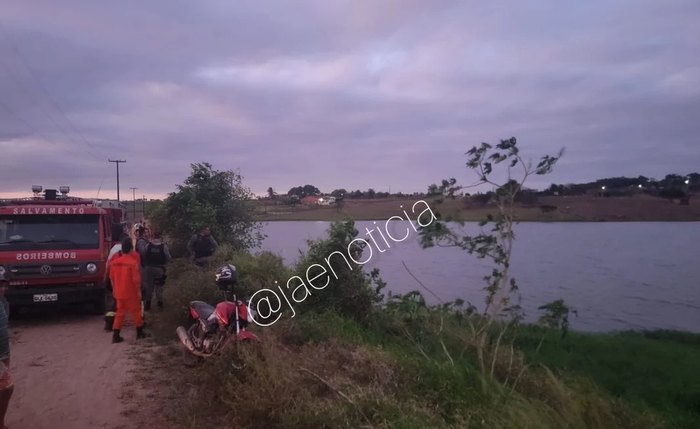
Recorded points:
342,94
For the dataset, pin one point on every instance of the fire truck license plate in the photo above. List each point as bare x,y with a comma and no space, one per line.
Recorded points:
44,297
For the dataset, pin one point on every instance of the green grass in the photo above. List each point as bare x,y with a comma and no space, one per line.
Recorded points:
657,371
453,387
409,366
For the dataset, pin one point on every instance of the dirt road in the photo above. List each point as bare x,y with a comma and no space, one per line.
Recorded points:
67,374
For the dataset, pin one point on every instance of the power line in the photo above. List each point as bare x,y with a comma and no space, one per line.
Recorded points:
26,123
32,96
19,118
46,93
102,181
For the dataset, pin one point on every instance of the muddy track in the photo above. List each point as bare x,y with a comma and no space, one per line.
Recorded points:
67,374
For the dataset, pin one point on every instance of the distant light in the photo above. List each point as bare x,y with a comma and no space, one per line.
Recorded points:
640,185
687,181
602,187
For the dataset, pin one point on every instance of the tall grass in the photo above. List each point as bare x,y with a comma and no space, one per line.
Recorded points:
402,364
652,371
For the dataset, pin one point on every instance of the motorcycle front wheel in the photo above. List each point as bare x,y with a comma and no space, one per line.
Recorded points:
237,360
188,359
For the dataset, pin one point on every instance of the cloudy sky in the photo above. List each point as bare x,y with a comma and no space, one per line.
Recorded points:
343,93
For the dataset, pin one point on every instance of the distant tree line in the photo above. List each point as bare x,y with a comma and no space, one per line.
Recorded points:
296,193
671,186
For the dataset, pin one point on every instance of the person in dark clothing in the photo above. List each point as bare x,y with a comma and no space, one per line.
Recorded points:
6,385
156,255
140,243
201,247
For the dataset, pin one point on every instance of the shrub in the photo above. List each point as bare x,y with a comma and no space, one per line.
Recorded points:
187,282
354,293
212,198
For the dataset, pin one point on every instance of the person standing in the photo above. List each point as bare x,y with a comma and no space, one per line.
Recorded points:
156,256
140,243
125,274
202,246
111,303
117,246
6,385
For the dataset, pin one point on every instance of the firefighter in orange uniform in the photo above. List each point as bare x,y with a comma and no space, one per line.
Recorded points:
125,275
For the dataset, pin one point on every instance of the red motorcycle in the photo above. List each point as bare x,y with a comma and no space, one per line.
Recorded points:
213,327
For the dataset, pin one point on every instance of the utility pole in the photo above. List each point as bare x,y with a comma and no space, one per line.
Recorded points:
117,161
133,190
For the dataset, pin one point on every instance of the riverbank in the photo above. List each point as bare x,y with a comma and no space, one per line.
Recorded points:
328,371
546,209
401,363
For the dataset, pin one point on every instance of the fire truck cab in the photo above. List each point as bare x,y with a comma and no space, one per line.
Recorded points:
53,248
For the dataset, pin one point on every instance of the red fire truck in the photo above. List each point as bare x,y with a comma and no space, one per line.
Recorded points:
53,248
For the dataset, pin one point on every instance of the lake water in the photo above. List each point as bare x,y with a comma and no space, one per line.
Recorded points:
641,275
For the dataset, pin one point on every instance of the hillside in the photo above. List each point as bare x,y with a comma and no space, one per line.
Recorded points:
547,209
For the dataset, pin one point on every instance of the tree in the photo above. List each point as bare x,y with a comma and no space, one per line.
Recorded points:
297,191
311,190
353,292
526,196
555,189
212,198
555,317
271,193
496,241
370,193
304,191
339,193
292,200
482,199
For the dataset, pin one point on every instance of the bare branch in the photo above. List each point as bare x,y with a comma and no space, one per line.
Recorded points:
341,394
444,348
421,283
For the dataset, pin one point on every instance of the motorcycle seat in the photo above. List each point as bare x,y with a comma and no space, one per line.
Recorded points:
203,309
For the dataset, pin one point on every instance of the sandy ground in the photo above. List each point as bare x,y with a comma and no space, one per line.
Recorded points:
67,374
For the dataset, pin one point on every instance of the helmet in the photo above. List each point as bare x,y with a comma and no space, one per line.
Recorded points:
226,276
